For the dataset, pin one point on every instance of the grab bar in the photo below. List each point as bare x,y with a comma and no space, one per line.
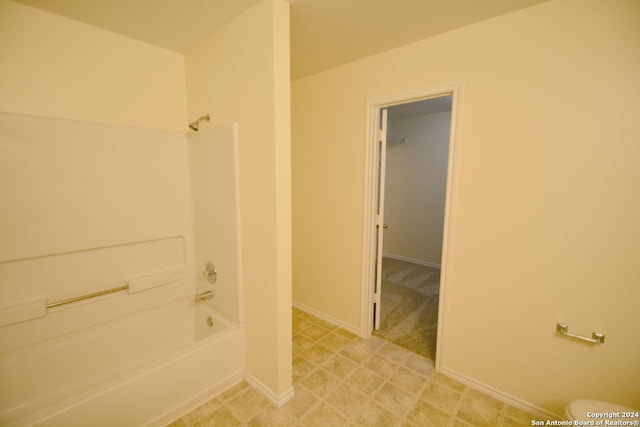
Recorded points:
84,297
564,331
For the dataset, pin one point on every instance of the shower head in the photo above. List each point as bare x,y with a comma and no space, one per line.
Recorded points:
195,125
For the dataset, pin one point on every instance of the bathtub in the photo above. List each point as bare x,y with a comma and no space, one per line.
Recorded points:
144,369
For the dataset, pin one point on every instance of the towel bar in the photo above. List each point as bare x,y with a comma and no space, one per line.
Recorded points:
564,331
84,297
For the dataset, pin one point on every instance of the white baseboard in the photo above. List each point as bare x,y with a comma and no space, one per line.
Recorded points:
502,396
277,400
411,260
328,319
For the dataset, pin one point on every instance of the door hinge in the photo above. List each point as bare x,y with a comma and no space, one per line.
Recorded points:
382,135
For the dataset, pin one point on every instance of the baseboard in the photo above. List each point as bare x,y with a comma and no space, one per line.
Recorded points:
411,260
277,400
502,396
328,319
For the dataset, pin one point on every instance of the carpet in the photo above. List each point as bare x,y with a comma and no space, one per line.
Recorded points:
409,312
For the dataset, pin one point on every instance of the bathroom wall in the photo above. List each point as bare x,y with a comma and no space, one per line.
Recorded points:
544,224
415,184
241,74
90,197
56,67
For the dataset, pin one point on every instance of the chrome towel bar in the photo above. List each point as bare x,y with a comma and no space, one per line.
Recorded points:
564,331
84,297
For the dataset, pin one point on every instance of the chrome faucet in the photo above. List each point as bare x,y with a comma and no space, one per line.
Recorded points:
203,296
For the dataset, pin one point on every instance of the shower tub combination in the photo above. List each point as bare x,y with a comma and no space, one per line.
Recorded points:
144,369
144,352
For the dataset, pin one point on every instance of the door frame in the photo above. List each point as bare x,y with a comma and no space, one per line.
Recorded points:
374,106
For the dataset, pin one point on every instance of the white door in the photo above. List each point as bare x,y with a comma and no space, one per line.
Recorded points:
379,223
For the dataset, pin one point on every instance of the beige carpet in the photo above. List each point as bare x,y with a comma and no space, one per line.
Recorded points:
409,313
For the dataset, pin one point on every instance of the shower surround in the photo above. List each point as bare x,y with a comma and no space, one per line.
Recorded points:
88,207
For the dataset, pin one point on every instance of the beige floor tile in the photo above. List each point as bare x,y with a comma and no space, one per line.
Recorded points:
357,351
381,365
323,415
485,400
424,414
347,400
204,411
340,366
320,382
478,413
441,397
333,342
301,368
374,415
247,404
301,343
409,380
341,379
393,352
300,323
420,364
511,422
317,354
346,334
365,380
516,416
233,391
301,403
179,423
272,417
374,342
302,314
221,417
315,332
395,399
457,422
326,324
448,382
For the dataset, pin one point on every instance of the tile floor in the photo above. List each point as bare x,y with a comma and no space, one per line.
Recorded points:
343,380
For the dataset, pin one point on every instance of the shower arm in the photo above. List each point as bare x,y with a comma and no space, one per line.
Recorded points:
196,125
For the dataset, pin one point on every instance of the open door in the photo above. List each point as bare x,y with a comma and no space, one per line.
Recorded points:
379,222
373,218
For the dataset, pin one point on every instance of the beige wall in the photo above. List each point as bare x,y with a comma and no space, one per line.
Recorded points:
415,184
241,74
56,67
544,226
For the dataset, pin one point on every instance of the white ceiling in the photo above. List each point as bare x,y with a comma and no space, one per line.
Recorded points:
324,33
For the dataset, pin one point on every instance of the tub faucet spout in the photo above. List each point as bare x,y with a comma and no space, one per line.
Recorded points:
203,296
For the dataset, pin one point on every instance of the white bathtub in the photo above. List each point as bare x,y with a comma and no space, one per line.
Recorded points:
145,369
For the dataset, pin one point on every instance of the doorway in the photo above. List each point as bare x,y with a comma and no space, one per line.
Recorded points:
410,169
415,181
